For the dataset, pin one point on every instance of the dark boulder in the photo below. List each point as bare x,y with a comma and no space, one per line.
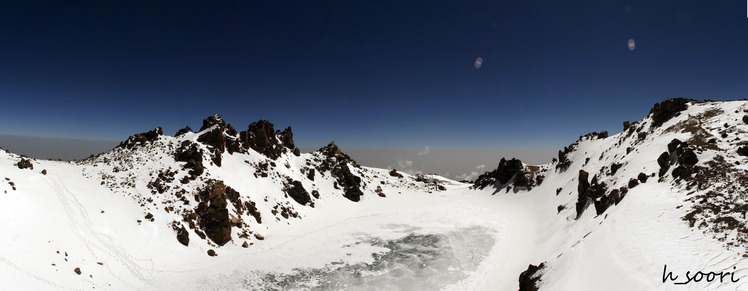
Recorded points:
664,160
183,236
682,172
583,182
25,164
626,125
673,145
633,183
745,119
688,157
251,208
602,204
585,192
642,177
615,196
394,173
614,168
743,151
528,279
297,192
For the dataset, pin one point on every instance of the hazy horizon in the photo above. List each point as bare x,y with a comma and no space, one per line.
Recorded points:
451,162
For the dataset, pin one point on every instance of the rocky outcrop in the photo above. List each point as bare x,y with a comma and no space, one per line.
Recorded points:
159,184
614,168
212,214
190,153
528,279
264,139
183,236
591,192
669,108
186,129
25,164
296,191
337,163
507,171
141,138
681,154
594,135
220,138
563,161
743,151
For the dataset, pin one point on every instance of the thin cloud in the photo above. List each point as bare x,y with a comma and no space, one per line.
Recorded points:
405,166
425,151
473,174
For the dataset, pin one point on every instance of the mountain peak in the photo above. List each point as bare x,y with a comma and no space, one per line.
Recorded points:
212,120
141,138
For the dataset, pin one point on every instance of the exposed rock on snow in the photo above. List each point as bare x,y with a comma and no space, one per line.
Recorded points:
142,138
529,279
25,164
263,138
662,112
509,171
213,217
331,159
296,190
181,132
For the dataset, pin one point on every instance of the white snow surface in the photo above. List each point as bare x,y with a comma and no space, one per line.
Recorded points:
415,238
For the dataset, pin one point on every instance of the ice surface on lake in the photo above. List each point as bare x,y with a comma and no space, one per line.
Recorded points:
413,262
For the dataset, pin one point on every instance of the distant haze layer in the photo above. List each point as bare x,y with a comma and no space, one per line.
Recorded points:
54,148
453,162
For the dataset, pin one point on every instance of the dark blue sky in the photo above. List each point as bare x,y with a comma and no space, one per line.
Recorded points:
365,74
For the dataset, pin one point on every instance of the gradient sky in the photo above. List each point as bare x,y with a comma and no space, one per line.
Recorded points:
378,74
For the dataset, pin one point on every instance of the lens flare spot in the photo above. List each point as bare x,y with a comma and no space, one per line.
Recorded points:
632,44
478,62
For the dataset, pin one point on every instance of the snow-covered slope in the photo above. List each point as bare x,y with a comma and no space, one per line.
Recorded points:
614,210
223,209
